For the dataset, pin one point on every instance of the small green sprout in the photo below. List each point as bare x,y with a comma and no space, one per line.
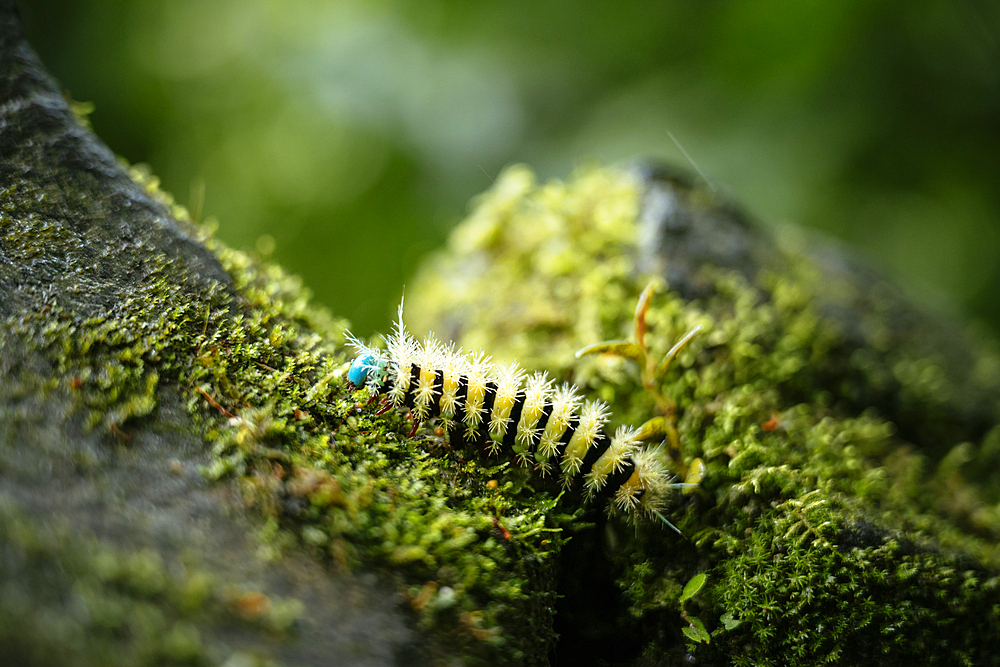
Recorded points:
695,630
692,587
661,427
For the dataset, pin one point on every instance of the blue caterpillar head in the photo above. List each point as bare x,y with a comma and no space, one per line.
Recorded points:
366,369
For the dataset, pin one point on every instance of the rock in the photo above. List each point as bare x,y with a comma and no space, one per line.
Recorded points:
115,548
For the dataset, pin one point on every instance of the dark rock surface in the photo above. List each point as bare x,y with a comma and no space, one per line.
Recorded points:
78,236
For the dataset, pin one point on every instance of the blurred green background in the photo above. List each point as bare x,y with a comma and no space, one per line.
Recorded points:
355,132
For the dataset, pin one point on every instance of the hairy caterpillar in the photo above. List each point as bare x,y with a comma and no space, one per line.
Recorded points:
504,408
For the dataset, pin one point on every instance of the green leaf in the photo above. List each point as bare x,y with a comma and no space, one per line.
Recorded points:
617,348
692,587
696,632
652,430
728,621
696,473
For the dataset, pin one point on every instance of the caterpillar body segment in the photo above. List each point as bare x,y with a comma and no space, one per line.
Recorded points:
503,408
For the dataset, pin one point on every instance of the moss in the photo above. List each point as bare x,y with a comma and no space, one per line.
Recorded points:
803,488
828,534
263,376
819,586
93,605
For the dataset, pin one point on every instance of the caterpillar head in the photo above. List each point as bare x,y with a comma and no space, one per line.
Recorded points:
367,369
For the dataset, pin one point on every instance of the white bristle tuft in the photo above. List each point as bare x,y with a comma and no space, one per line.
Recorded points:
622,447
455,365
644,493
479,371
429,357
626,499
564,404
403,350
508,379
592,419
536,397
650,469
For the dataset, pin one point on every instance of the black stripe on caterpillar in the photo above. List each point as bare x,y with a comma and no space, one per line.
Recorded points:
504,408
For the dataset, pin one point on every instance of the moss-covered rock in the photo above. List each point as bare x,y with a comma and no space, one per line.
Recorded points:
186,477
848,513
162,394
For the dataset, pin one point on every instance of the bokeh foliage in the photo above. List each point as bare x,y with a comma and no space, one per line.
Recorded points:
358,129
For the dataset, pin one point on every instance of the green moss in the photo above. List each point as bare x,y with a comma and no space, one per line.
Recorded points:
807,499
69,600
263,375
817,577
810,501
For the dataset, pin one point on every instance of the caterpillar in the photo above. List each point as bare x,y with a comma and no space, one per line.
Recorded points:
501,407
